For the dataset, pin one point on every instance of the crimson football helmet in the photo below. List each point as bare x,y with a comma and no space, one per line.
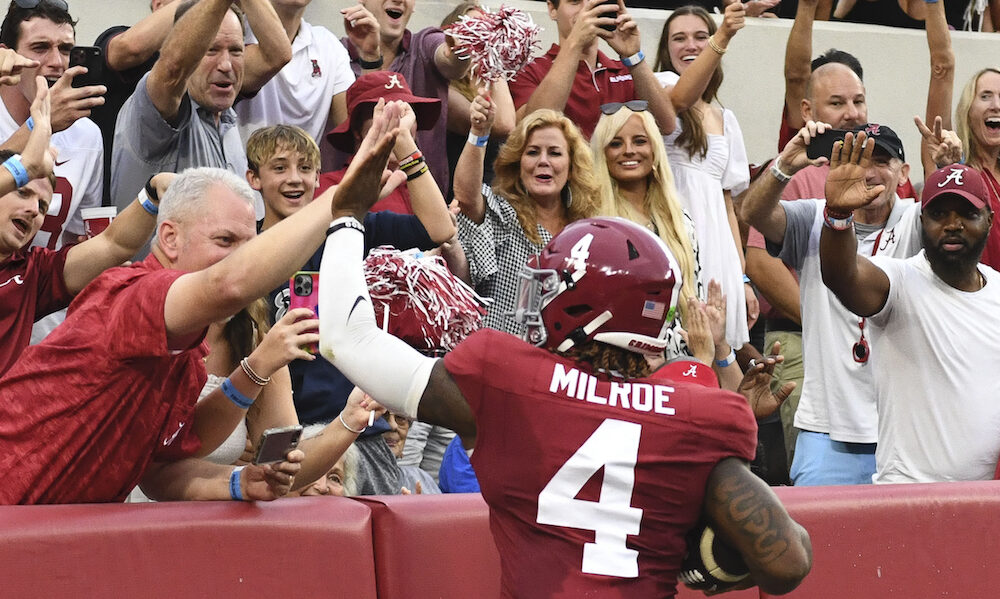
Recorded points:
606,279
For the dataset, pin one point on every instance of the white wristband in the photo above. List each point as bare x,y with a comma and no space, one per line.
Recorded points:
727,360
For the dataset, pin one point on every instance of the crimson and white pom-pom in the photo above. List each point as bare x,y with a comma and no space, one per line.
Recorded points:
429,307
499,43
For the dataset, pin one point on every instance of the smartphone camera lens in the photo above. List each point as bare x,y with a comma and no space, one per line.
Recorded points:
303,285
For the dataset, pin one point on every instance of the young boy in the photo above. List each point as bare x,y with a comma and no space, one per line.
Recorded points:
283,166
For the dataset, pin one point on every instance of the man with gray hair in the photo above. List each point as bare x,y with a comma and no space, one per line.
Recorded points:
108,400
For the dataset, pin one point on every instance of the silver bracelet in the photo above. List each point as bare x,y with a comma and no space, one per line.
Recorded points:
344,422
253,376
779,174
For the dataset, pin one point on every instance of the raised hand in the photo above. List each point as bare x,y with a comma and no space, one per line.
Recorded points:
715,310
756,8
38,158
362,182
363,30
625,39
733,19
846,189
793,157
756,385
11,65
944,145
482,112
69,104
697,331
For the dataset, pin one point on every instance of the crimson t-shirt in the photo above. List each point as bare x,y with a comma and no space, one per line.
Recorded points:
551,435
31,286
83,413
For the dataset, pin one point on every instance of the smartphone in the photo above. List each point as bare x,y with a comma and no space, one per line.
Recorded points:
822,144
304,293
92,58
275,443
613,13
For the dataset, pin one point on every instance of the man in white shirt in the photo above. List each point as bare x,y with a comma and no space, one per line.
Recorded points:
934,354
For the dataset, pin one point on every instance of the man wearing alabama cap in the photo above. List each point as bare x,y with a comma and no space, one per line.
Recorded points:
934,361
836,416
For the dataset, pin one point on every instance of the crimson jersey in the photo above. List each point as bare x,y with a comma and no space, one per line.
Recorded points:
31,286
592,482
83,413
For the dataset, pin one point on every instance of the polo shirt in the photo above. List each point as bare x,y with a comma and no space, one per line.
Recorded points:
301,93
146,144
610,81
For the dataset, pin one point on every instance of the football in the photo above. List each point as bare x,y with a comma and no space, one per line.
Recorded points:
711,564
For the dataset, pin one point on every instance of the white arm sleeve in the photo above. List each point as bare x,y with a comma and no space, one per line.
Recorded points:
386,368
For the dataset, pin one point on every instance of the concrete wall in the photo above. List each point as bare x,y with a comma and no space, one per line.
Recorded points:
895,60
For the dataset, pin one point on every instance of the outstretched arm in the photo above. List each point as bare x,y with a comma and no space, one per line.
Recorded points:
193,479
141,41
861,286
939,90
798,59
747,514
264,262
273,49
692,84
626,41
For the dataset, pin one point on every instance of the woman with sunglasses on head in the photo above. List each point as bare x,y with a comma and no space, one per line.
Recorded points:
632,168
706,151
544,180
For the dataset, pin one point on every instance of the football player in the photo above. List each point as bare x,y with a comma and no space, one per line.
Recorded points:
593,473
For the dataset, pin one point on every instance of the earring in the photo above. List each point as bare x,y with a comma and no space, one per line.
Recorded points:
567,195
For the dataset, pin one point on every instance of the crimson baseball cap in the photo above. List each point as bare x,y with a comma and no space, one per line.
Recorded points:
958,180
365,92
687,371
885,138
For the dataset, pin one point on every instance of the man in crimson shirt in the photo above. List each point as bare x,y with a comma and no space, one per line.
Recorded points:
108,400
576,78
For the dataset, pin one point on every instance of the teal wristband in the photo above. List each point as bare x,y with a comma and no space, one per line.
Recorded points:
235,492
30,124
746,278
229,390
13,164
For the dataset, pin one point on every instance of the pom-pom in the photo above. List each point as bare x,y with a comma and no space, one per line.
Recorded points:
429,307
499,43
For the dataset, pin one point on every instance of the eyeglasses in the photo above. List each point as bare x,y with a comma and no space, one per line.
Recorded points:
400,420
60,4
633,105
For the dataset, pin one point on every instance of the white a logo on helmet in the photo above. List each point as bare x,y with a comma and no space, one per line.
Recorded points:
394,82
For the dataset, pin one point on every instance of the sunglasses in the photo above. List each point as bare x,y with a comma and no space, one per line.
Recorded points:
633,105
60,4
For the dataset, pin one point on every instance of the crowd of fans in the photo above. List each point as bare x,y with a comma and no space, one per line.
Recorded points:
226,132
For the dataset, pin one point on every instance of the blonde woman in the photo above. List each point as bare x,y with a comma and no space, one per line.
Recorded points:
544,180
632,168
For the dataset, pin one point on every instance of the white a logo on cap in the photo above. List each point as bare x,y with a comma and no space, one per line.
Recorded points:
955,175
394,82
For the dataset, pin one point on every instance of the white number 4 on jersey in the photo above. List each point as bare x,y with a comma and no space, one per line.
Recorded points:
615,447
